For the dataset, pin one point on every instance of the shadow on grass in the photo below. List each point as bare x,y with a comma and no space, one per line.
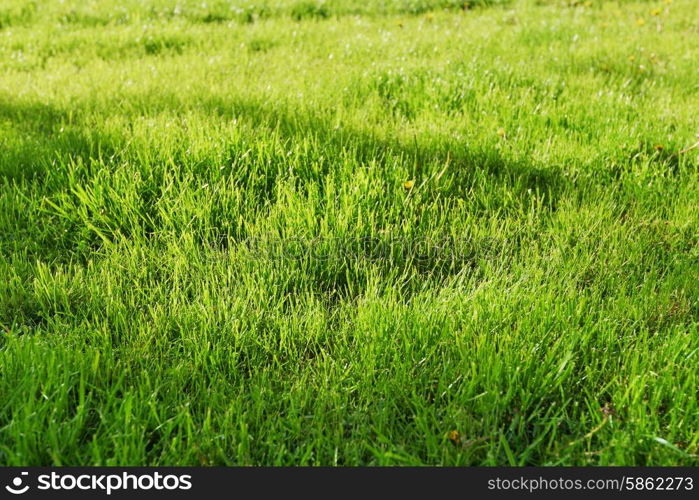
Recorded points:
44,138
520,177
38,136
44,133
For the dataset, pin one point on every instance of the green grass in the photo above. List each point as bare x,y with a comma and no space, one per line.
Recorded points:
208,253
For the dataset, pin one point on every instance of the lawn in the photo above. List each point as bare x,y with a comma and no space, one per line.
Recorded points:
401,232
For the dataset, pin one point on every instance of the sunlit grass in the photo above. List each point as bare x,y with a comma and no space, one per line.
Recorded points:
516,164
